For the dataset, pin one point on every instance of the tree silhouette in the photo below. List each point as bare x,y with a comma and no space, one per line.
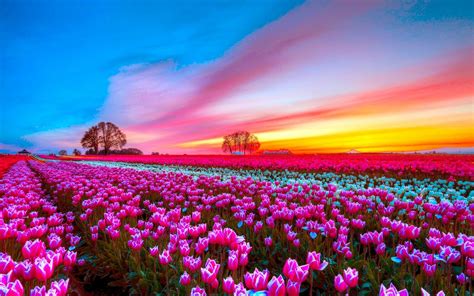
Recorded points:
111,136
241,142
91,139
106,135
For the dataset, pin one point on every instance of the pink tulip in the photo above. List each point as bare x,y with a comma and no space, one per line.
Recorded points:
33,249
210,271
197,291
243,259
380,249
38,291
392,291
340,284
351,277
165,258
314,261
294,272
6,263
268,241
257,280
429,269
293,288
154,251
70,258
43,269
461,278
228,285
60,287
240,290
276,286
14,288
185,279
232,262
25,270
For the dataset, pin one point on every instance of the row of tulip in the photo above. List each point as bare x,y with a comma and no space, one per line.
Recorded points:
410,188
36,240
394,165
175,233
6,161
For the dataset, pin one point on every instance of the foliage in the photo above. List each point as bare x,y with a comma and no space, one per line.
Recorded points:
106,135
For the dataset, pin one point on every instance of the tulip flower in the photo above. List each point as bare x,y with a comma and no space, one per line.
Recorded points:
185,279
276,286
461,278
257,280
429,269
61,287
154,251
33,249
197,291
6,263
228,285
70,258
293,288
240,290
268,241
392,291
340,284
294,272
43,269
12,288
38,291
210,271
380,249
314,261
165,258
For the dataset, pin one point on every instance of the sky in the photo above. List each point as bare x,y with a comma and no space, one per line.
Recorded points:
175,76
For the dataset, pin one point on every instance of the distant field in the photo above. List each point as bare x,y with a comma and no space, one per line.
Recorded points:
431,165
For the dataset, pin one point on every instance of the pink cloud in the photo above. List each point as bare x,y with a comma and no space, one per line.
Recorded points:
174,102
162,105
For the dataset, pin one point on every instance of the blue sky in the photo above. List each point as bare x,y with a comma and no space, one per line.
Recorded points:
57,56
176,75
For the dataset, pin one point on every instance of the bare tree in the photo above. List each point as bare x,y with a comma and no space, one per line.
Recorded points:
91,139
227,145
251,143
240,141
106,135
111,136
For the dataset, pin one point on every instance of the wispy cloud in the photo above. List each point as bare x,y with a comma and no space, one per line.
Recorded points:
324,75
7,148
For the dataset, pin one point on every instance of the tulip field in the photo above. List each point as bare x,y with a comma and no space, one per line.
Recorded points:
365,224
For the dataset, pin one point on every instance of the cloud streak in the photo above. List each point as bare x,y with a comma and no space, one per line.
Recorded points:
297,82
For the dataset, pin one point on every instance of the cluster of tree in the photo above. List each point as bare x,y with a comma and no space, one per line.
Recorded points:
124,151
105,135
75,152
240,142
